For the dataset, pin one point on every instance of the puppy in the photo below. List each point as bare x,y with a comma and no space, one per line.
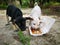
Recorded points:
35,15
16,17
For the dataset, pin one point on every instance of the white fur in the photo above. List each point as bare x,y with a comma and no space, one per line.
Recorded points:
35,15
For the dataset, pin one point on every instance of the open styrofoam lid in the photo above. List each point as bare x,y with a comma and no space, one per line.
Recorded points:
45,26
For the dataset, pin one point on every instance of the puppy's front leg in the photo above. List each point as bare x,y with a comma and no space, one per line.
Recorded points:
15,27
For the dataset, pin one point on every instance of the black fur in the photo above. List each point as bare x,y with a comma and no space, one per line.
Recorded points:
16,14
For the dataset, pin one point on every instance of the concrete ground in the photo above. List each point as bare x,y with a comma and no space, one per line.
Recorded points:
7,33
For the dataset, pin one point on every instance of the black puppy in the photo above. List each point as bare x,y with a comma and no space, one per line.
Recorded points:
17,17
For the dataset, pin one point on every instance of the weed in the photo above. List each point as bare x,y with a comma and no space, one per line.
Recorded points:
24,39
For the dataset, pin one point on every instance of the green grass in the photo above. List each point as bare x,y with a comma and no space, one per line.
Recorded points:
2,6
25,40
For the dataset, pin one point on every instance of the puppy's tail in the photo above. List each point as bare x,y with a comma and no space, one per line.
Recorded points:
28,18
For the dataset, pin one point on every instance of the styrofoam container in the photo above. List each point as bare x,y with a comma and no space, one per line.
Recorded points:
47,23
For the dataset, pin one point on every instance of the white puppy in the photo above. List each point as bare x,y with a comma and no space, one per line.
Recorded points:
35,15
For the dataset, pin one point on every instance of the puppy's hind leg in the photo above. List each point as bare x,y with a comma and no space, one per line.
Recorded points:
7,20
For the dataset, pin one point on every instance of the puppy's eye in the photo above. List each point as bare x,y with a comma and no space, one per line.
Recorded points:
33,24
39,18
40,22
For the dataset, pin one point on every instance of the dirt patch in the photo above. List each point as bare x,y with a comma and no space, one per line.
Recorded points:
7,34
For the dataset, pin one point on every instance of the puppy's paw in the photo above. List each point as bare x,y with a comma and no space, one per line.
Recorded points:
7,24
16,30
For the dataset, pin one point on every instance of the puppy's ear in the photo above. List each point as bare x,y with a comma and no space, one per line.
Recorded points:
29,18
